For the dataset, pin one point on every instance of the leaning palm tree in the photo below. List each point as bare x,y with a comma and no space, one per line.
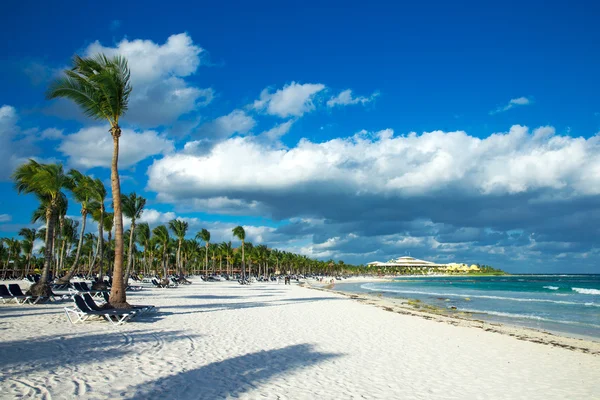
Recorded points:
83,192
29,236
46,181
204,235
179,228
143,237
133,206
240,233
101,87
161,234
108,223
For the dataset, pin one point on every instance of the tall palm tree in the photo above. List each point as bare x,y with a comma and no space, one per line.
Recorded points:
240,233
133,207
204,235
82,188
29,236
161,233
68,237
179,228
46,181
14,248
108,225
98,209
101,87
143,237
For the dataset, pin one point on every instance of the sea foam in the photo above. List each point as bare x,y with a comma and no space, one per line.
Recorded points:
374,287
551,287
586,291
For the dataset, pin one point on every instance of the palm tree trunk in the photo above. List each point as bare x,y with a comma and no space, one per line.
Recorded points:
42,288
243,262
99,257
129,253
206,262
179,258
118,297
7,264
164,260
69,275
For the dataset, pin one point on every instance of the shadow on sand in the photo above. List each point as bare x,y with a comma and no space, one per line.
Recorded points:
51,352
242,305
232,377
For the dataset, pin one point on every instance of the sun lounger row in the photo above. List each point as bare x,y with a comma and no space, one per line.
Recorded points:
85,307
14,293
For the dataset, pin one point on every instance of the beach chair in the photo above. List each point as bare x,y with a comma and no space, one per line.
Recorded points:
94,306
82,287
81,312
5,295
18,295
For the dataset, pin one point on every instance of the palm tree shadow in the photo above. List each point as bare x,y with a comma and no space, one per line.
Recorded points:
232,377
26,356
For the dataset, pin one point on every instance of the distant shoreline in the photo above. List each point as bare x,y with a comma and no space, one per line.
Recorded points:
405,306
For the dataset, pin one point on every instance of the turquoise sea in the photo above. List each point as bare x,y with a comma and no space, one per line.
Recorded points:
561,303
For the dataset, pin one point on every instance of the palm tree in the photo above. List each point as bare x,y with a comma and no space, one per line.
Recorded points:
14,248
97,208
179,228
83,192
204,235
143,237
161,233
46,181
101,87
108,225
239,233
29,236
133,207
68,237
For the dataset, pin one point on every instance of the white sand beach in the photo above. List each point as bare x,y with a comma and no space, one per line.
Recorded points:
223,340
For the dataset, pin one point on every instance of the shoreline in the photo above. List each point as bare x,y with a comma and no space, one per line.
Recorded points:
581,344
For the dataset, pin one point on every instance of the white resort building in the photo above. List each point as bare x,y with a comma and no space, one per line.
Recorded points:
411,262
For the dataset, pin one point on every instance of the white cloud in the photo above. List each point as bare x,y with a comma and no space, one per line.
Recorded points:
520,101
158,71
382,164
93,147
236,121
16,145
294,99
345,98
5,218
278,130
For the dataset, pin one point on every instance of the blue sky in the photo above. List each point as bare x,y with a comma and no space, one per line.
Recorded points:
456,131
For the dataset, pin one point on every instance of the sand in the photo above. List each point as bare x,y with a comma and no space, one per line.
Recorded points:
271,341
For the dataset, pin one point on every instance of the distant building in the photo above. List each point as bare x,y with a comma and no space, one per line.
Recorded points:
411,262
406,262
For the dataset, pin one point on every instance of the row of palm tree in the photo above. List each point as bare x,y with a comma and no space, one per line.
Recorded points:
164,250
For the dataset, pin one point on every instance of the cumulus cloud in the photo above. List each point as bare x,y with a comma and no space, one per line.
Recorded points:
16,144
520,101
505,163
278,130
345,98
294,99
236,121
160,91
460,189
93,147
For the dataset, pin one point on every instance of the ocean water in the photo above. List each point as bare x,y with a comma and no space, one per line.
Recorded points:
568,304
